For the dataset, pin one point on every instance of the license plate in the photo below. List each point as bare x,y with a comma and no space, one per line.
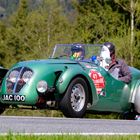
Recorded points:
17,98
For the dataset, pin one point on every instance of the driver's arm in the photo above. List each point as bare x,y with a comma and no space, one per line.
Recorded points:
125,73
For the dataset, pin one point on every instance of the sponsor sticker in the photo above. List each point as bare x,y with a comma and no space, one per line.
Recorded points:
88,66
98,80
16,98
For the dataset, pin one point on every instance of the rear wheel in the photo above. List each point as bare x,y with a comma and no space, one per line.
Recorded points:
128,115
74,102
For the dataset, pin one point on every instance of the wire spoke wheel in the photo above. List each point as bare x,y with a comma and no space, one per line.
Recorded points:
78,97
74,102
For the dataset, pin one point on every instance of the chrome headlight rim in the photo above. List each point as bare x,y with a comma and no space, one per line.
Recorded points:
42,86
13,75
27,76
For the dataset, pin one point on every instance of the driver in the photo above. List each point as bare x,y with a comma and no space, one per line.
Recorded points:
118,68
78,52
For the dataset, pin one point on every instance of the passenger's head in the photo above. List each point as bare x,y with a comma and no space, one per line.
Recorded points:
78,51
110,46
107,54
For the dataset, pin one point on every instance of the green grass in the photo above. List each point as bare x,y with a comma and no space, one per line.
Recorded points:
69,137
29,112
52,113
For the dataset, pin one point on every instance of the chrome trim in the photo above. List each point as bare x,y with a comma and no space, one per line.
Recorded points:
15,86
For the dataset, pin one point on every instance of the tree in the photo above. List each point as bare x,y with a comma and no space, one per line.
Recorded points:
15,31
98,21
130,6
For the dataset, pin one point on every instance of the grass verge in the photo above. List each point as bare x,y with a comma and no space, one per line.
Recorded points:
53,113
69,137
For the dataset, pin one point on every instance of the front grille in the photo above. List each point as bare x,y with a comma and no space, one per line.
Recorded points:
17,78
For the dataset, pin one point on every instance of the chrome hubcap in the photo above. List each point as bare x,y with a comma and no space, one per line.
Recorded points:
78,97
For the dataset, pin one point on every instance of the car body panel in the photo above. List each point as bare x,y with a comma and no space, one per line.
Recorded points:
72,72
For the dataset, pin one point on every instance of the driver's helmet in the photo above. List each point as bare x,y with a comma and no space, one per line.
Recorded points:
78,49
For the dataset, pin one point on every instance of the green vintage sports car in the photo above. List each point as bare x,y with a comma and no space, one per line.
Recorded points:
71,85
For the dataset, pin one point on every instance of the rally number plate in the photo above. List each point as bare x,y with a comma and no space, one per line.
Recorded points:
17,98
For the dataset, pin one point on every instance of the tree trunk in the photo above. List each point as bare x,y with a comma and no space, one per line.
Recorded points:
132,32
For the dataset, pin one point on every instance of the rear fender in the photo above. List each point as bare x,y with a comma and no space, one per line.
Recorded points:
68,75
135,99
134,86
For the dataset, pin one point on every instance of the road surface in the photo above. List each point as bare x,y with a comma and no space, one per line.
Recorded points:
47,125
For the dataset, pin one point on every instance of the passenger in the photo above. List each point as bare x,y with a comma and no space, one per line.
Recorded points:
118,68
78,52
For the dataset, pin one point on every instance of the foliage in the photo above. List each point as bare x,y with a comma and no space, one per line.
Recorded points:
36,26
101,21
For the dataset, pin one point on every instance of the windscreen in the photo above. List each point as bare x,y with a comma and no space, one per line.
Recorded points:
67,50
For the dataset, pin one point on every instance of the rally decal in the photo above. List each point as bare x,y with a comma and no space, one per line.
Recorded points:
98,80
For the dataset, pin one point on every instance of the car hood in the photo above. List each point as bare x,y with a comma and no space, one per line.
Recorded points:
48,61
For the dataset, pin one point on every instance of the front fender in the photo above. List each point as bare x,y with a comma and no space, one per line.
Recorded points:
69,74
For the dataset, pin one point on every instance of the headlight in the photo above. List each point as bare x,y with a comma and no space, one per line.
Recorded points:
42,86
27,76
13,76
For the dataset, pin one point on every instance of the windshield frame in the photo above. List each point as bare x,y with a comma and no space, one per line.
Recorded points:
67,47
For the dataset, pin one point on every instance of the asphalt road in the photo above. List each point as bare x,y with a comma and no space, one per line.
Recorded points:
46,125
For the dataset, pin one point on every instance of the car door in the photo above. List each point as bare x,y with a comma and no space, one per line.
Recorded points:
114,96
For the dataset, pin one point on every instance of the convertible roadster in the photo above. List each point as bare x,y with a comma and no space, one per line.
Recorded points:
70,85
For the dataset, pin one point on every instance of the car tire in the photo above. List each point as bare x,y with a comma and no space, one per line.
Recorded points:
128,115
75,100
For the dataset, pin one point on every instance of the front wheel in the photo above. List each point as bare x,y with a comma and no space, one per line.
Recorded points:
74,102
